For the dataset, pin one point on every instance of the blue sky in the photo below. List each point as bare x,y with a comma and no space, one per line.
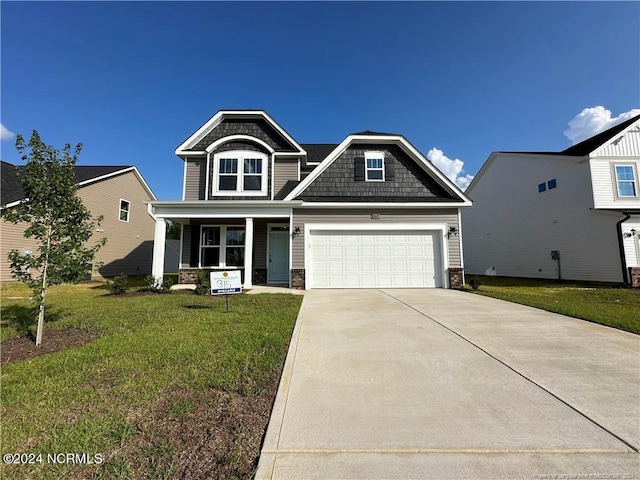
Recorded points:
131,81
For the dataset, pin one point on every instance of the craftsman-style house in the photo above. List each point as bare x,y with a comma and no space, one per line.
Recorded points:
371,211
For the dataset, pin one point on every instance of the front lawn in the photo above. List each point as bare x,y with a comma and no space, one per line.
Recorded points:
615,307
168,386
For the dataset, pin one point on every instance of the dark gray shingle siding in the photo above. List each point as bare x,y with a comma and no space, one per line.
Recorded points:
255,128
411,182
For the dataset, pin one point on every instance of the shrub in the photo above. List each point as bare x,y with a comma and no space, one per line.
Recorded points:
474,281
203,286
151,284
118,285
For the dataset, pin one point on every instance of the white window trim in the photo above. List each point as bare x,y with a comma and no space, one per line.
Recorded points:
240,155
616,181
120,210
373,155
223,247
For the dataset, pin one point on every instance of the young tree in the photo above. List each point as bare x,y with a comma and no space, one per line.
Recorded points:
55,218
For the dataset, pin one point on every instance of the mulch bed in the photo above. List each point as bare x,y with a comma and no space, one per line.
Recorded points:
53,340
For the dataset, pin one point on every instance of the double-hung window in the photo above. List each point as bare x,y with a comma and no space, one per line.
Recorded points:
626,183
222,246
374,166
123,213
240,172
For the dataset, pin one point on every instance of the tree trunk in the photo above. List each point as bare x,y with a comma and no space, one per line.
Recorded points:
43,292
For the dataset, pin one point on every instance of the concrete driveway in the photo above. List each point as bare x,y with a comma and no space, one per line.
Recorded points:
441,384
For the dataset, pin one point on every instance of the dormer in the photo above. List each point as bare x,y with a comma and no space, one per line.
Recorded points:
240,154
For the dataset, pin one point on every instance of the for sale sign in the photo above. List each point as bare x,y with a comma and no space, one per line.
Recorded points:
223,283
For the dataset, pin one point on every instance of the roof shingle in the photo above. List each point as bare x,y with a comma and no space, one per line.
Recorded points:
12,185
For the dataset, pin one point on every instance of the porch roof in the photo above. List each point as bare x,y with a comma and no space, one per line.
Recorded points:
184,210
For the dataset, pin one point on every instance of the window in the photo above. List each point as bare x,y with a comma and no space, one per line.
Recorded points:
374,166
228,174
626,181
551,184
240,172
542,187
222,246
123,213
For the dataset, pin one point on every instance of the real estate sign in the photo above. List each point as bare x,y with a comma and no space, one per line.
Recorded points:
223,283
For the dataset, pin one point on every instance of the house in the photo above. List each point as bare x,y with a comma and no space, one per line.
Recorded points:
571,215
118,193
371,211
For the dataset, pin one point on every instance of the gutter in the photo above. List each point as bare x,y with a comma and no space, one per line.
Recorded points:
623,257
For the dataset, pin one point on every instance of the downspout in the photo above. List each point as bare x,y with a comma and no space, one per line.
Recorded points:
623,257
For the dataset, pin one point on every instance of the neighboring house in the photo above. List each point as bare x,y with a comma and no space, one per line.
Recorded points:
369,212
582,203
118,193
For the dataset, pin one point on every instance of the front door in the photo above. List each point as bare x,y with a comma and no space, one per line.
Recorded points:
278,254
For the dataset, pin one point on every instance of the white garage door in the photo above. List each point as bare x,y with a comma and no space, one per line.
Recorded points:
374,259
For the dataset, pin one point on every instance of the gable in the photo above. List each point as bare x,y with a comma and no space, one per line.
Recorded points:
404,180
235,125
418,179
602,139
625,144
257,128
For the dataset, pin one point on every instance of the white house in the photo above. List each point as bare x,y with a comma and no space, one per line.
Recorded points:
573,215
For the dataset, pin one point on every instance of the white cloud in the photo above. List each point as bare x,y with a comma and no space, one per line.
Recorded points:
5,134
591,121
451,168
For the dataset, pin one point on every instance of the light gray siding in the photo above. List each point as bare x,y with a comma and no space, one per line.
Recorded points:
260,243
195,179
286,170
513,228
386,216
603,180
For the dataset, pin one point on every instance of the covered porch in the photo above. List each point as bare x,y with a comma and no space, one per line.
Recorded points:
251,236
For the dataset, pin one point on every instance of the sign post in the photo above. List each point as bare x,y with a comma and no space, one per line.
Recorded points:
224,283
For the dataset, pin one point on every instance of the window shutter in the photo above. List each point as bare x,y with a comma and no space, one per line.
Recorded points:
389,169
358,164
195,245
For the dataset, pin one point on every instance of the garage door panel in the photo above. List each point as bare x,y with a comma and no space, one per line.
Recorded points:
374,259
383,265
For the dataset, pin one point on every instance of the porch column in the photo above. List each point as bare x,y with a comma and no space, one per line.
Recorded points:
157,266
248,253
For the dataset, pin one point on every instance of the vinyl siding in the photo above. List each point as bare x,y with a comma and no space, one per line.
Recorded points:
285,170
625,146
604,185
129,246
260,242
513,228
195,179
354,216
632,243
12,239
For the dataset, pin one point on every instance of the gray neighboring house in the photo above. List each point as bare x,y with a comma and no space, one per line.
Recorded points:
118,193
368,212
573,214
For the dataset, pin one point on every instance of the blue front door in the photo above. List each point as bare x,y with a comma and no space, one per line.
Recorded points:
278,261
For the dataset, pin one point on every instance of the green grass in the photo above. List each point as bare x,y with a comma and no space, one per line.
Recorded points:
84,399
615,307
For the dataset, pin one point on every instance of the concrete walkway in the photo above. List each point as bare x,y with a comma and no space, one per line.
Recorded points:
440,384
